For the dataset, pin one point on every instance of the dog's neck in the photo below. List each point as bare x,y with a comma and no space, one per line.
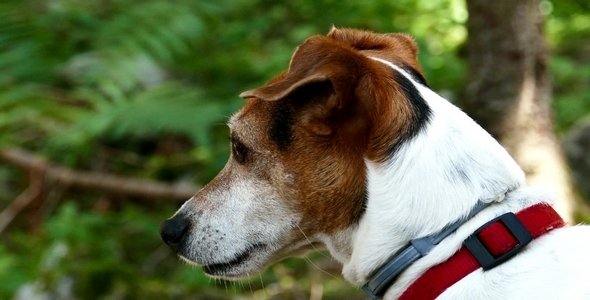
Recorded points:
431,181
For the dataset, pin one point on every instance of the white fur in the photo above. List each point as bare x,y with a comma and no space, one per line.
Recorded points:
420,191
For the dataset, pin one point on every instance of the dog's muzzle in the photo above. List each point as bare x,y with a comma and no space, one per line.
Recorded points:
172,230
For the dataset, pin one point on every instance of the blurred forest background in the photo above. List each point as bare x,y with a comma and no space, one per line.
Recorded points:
112,114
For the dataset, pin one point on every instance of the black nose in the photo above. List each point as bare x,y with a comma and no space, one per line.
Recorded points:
173,229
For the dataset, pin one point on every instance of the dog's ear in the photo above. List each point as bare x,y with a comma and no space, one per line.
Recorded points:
314,91
314,62
320,76
281,89
398,48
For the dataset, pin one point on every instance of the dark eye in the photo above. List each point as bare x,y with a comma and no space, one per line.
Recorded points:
239,151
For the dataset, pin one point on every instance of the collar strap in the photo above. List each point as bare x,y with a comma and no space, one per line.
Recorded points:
383,277
492,244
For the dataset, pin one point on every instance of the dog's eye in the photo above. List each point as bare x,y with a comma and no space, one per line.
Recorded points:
239,151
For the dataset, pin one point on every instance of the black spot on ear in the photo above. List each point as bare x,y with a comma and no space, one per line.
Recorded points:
421,111
415,75
281,129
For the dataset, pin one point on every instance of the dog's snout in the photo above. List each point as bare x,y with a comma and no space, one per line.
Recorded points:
173,229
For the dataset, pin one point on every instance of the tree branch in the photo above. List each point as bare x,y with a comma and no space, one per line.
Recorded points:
145,189
34,190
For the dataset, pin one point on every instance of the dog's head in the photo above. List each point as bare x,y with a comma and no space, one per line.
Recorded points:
296,178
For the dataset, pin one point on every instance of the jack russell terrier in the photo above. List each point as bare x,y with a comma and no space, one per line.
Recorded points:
350,150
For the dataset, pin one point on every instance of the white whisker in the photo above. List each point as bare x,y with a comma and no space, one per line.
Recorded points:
320,269
310,242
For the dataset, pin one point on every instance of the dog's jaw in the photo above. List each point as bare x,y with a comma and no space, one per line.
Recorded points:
432,181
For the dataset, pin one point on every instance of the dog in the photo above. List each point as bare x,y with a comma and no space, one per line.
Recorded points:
349,150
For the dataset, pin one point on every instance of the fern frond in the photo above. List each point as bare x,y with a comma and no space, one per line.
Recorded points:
167,108
162,30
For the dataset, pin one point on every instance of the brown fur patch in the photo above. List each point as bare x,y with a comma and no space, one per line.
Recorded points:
346,107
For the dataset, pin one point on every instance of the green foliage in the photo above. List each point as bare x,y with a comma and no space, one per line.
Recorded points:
77,72
142,88
572,82
568,31
119,255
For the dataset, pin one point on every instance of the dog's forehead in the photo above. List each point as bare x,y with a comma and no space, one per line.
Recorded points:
249,123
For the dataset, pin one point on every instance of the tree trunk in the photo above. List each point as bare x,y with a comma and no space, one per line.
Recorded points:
509,92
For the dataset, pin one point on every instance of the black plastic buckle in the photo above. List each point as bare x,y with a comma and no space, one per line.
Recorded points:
483,255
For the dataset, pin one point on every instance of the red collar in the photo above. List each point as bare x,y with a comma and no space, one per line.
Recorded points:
492,244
